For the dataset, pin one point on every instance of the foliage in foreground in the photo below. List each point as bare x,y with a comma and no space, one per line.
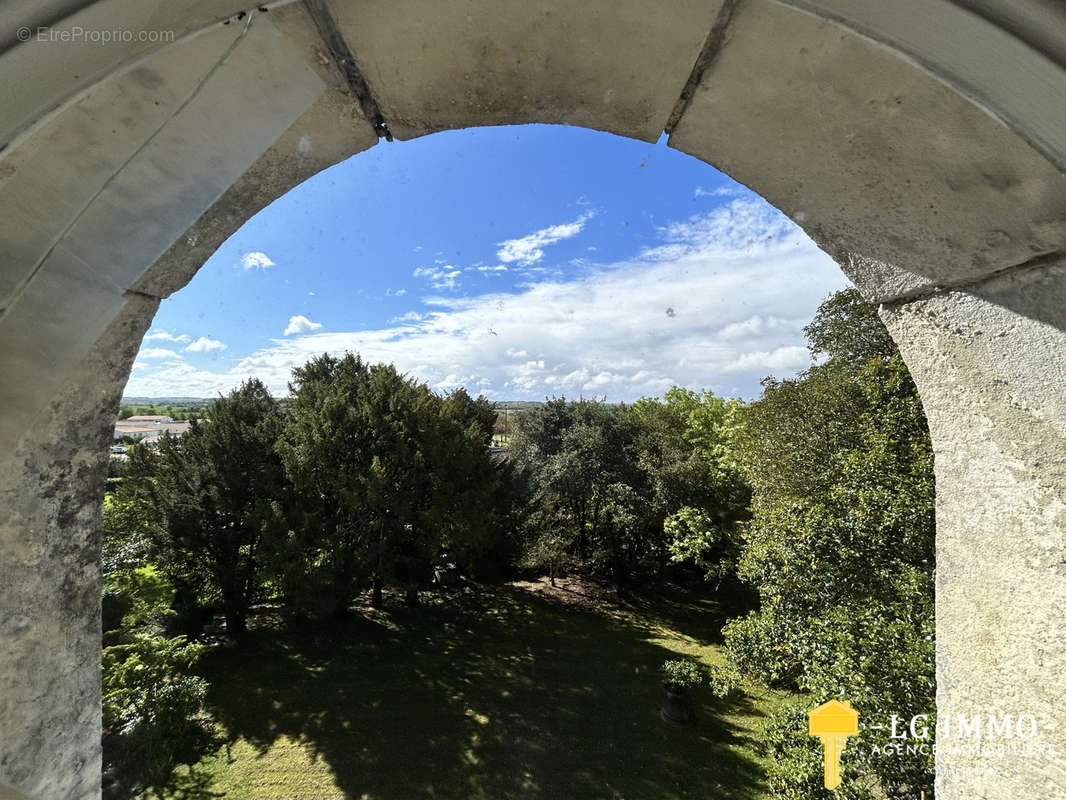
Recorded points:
795,764
150,701
840,545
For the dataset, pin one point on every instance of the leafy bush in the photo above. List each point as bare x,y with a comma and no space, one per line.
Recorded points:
796,763
694,536
682,674
724,680
148,702
840,546
143,594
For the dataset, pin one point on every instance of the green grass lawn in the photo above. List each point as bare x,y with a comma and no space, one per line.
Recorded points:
502,692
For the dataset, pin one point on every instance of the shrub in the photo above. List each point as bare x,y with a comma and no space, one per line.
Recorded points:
681,674
148,701
796,762
724,680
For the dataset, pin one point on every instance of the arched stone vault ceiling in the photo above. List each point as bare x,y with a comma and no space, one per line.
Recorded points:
776,102
920,142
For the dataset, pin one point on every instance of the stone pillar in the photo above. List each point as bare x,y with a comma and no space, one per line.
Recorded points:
990,364
51,490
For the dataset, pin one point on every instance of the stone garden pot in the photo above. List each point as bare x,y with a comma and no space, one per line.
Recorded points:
676,706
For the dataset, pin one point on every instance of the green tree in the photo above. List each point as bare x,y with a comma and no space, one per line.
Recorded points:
217,488
693,500
847,330
573,455
465,411
408,487
479,492
149,700
840,546
390,475
606,480
327,450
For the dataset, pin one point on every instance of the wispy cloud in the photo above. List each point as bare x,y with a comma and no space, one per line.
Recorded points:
300,324
529,249
787,359
256,260
444,277
205,344
741,281
156,352
721,191
162,335
755,327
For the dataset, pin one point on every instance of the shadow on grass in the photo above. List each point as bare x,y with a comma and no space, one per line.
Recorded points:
494,693
128,774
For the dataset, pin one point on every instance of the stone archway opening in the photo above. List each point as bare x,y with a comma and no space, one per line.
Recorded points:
921,148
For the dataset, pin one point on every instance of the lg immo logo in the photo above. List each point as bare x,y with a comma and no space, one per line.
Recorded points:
982,735
833,723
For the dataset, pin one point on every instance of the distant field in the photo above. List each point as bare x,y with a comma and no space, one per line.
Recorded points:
513,692
165,407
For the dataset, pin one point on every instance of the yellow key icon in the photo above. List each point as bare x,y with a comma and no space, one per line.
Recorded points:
833,722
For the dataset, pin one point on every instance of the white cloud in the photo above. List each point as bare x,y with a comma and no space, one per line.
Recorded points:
256,260
721,191
743,228
159,333
205,344
443,277
395,292
742,281
757,326
301,324
156,352
789,358
529,249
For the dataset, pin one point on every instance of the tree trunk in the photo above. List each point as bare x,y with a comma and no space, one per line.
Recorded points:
411,596
375,597
236,622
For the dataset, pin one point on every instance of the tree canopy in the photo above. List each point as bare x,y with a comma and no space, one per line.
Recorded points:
217,488
840,546
819,495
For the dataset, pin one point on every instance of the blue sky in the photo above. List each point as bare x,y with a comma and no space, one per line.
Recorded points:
521,262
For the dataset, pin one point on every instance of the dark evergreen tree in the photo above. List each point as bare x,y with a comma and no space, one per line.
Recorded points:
216,488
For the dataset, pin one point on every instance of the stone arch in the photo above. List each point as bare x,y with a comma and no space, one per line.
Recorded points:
921,143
